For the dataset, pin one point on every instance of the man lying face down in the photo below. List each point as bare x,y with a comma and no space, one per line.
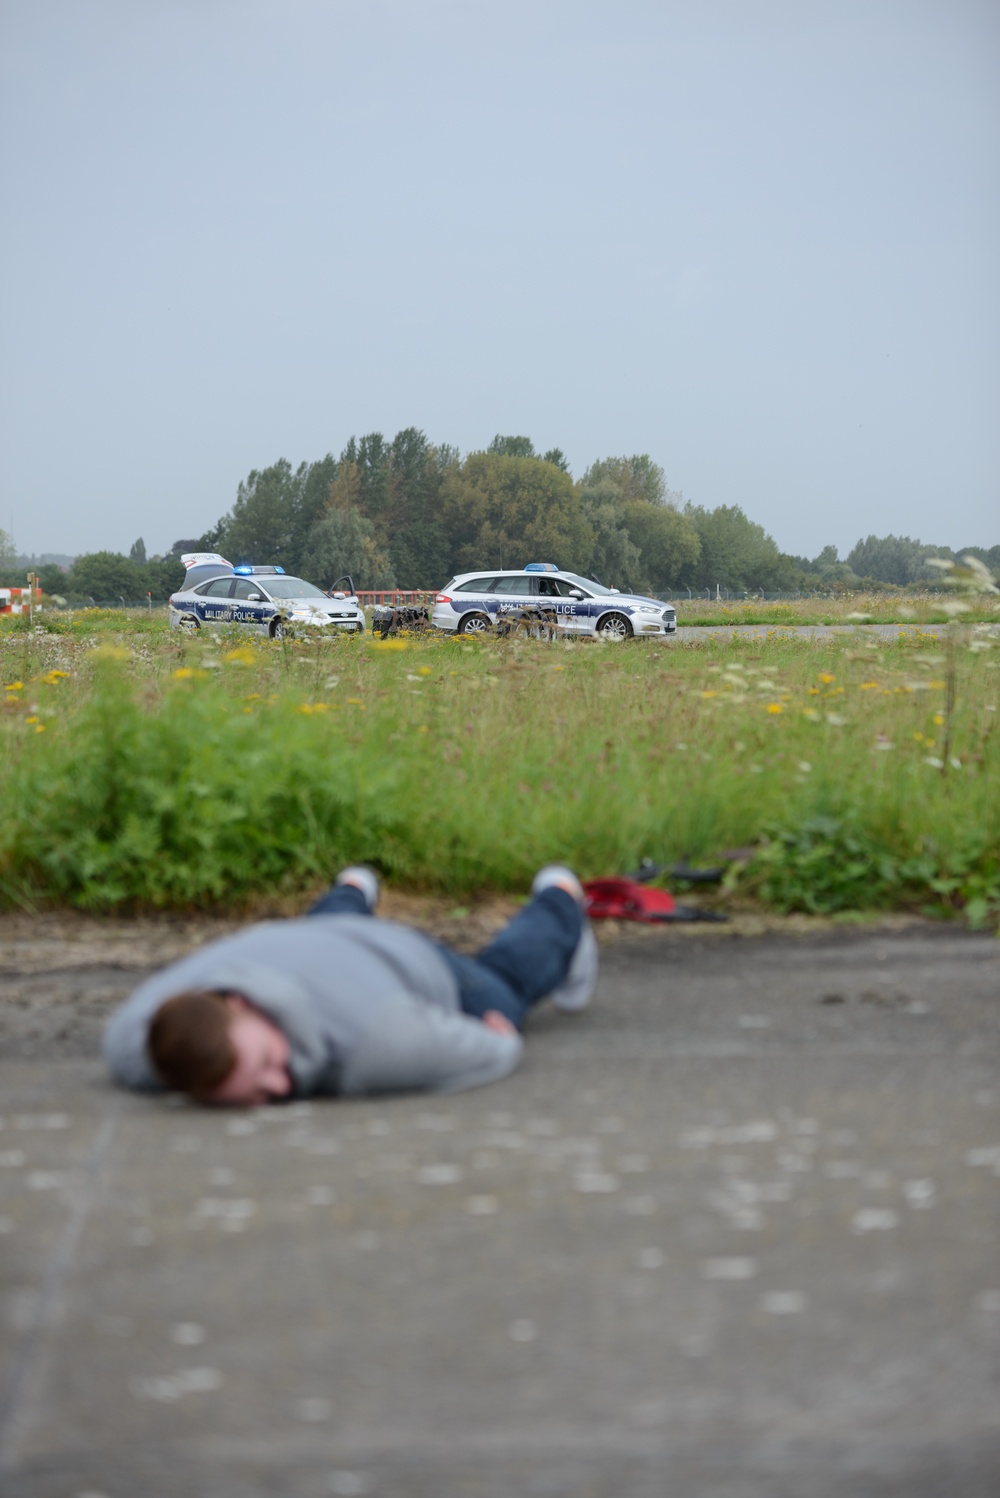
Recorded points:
337,1003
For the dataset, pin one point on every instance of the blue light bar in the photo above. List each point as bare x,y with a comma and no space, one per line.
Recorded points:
244,571
540,567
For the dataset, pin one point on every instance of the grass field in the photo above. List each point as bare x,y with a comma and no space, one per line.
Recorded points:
848,608
142,769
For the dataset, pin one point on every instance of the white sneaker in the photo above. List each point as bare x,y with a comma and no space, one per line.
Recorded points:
577,988
362,878
563,878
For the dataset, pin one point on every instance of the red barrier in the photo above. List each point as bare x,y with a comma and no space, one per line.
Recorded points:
368,597
16,600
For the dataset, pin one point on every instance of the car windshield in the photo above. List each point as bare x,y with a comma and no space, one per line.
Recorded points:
586,582
290,587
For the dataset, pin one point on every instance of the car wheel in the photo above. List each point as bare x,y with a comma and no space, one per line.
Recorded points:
190,624
279,629
614,627
474,624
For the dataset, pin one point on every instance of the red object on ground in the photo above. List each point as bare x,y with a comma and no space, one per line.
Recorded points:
625,900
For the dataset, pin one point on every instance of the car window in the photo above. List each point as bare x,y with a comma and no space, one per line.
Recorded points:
218,588
590,587
513,585
244,588
554,587
476,585
290,587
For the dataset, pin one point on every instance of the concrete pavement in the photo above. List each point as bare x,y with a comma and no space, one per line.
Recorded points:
731,1233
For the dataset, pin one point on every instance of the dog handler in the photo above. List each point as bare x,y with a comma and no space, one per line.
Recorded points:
337,1003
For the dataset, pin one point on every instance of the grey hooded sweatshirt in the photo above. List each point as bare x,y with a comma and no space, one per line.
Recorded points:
367,1006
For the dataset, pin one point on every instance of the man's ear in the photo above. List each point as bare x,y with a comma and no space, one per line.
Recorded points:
236,1003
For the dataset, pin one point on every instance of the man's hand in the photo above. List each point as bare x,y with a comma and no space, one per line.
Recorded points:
494,1020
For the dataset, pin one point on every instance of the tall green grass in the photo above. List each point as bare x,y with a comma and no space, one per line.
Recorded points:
182,774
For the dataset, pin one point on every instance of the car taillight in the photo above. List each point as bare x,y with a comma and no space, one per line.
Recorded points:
442,598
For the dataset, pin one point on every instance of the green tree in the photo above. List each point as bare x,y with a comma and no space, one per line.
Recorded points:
635,477
344,542
106,576
138,552
163,576
512,447
890,559
503,511
52,579
615,560
259,526
417,540
736,553
8,556
662,541
667,541
274,512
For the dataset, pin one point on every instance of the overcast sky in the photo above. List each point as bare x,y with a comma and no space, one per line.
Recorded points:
757,239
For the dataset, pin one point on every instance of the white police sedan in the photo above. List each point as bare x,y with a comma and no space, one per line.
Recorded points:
264,599
474,601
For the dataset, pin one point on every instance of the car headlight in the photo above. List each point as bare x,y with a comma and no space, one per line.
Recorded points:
647,608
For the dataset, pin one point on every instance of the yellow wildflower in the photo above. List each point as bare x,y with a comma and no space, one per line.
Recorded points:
244,656
390,645
305,707
775,707
426,670
14,686
825,677
938,719
708,694
182,673
31,720
814,691
39,727
869,686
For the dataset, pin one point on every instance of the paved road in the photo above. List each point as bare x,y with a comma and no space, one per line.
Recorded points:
732,1233
691,632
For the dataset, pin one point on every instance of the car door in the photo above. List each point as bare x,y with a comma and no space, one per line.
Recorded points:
214,607
508,593
557,593
248,605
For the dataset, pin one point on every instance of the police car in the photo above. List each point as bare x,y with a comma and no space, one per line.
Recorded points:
474,601
264,599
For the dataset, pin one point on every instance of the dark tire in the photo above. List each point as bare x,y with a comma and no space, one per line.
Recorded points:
474,624
190,625
614,628
279,629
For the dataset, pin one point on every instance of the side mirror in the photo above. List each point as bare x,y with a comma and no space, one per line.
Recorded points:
254,598
338,595
575,593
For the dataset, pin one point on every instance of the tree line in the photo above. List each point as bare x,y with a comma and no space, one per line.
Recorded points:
408,513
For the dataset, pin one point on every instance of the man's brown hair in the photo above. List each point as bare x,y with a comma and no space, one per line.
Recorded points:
189,1042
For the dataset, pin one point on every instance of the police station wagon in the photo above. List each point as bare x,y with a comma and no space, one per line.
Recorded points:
264,599
474,601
